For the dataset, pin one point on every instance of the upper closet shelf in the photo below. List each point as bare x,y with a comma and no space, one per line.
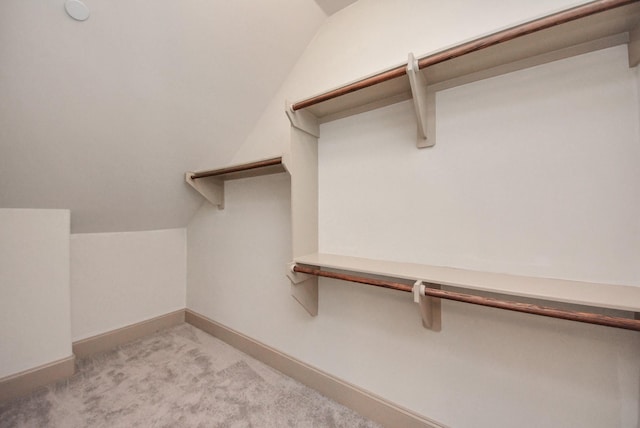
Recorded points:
593,26
210,183
620,297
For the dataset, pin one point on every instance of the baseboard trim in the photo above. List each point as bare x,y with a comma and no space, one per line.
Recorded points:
111,339
22,383
367,404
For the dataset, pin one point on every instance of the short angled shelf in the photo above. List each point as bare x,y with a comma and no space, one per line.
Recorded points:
611,296
210,183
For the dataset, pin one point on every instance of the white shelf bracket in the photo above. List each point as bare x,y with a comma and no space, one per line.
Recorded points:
424,101
429,307
304,288
634,46
296,277
303,120
210,187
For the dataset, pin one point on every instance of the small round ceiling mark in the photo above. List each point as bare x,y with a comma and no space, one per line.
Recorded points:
77,10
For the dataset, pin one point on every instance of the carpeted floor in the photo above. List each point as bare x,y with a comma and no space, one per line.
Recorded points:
180,377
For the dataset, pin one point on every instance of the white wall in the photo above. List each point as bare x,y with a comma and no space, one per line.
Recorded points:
131,99
486,368
118,279
533,173
35,326
236,259
374,35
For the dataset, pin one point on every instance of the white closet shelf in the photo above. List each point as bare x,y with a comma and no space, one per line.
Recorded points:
586,28
589,27
210,183
611,296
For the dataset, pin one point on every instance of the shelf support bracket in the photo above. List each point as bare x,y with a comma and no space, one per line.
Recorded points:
210,187
424,101
429,307
296,277
303,120
634,46
304,288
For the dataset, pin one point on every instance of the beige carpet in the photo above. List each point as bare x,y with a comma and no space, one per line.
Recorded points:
180,377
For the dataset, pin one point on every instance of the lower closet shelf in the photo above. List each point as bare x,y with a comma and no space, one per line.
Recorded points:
609,296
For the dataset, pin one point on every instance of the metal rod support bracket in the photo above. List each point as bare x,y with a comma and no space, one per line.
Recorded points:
304,289
429,307
418,290
296,277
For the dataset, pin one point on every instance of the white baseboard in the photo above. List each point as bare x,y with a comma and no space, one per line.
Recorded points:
22,383
365,403
111,339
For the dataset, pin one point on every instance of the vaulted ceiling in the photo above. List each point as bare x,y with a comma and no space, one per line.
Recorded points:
104,116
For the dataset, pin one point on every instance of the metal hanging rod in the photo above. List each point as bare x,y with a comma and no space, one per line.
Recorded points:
585,317
544,23
238,168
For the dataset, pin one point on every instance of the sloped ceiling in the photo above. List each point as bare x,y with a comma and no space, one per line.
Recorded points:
332,6
103,117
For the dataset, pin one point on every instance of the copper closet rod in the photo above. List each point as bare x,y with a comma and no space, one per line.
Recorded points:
237,168
586,317
469,47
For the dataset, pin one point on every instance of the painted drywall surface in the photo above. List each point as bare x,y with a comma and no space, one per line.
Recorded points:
487,367
638,86
533,173
35,326
236,260
118,279
332,6
370,36
108,114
